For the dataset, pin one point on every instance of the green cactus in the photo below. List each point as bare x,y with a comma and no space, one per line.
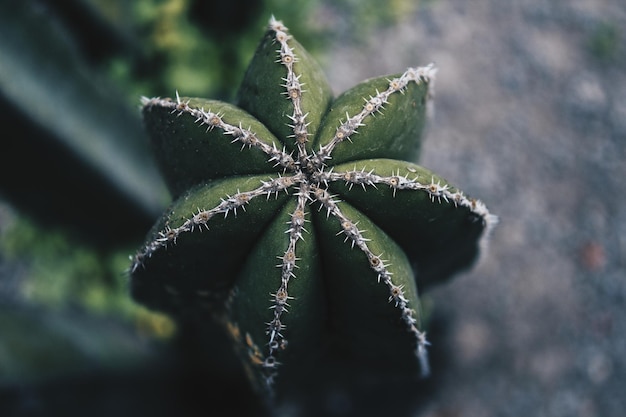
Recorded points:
300,218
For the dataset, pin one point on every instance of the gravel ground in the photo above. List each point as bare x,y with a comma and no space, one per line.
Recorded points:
530,117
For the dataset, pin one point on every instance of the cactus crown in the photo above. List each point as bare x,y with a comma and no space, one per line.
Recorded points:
300,218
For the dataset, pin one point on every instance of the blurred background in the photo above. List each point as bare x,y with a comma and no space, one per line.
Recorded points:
530,117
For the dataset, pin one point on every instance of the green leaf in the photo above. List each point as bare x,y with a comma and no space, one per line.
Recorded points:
43,80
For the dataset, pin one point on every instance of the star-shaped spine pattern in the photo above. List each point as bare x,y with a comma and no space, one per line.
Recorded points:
304,174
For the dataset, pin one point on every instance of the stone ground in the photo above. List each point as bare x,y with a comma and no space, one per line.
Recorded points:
530,117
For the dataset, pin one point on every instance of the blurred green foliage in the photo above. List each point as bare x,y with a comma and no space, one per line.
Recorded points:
604,41
198,48
61,273
202,48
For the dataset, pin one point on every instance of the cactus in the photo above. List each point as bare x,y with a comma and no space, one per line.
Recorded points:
299,221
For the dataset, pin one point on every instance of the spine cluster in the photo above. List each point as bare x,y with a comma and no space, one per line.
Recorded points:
293,88
281,297
375,104
169,235
211,120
